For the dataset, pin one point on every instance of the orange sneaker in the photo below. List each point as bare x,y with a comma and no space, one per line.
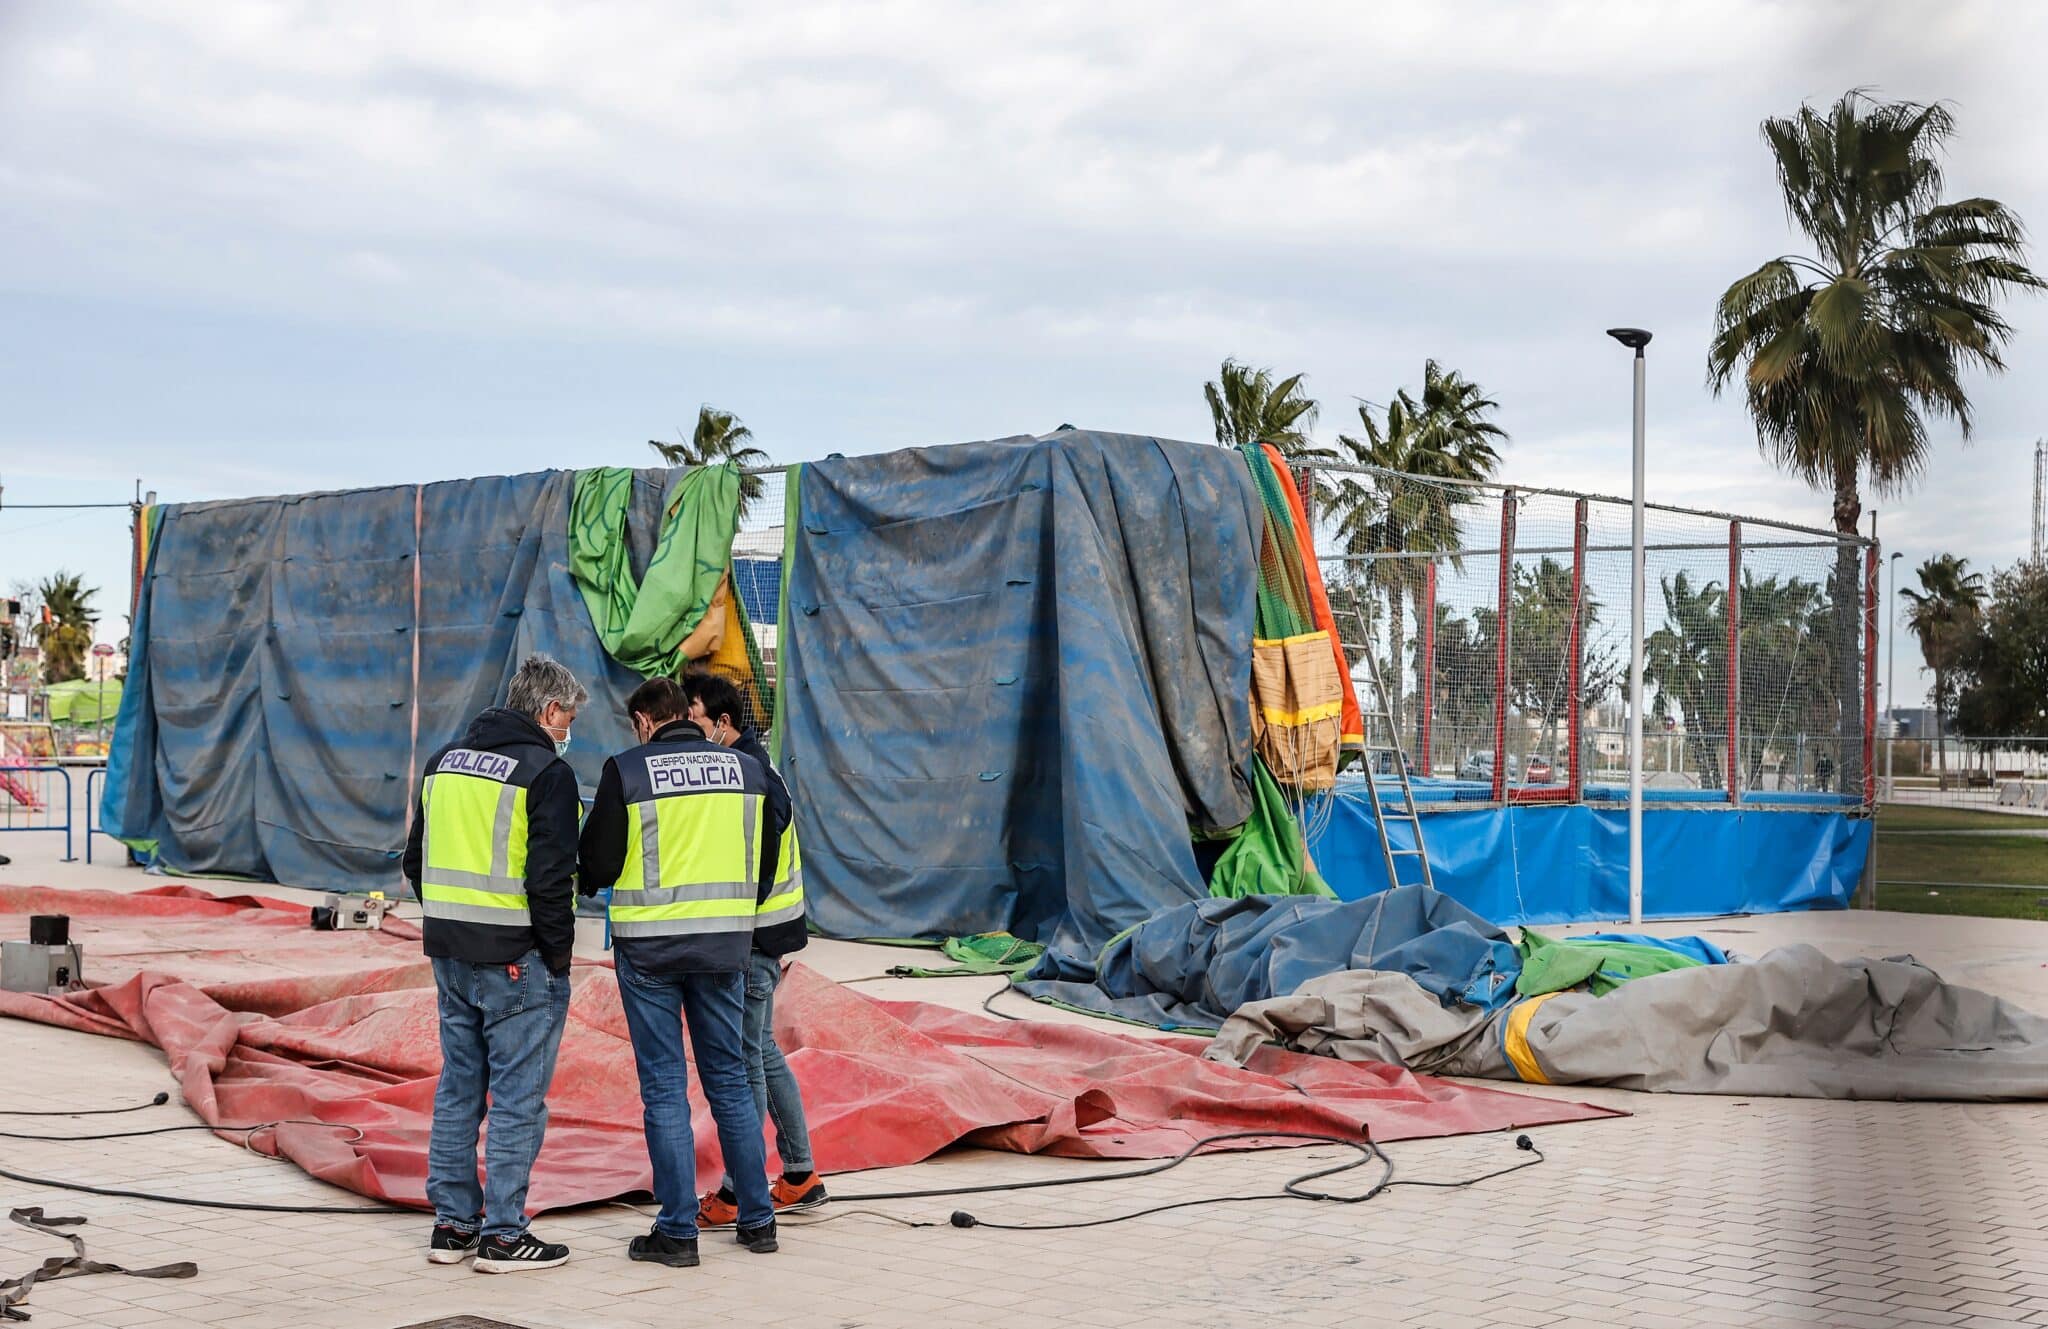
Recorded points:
787,1195
715,1211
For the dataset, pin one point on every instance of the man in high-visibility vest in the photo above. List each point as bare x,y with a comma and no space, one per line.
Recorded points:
719,709
492,857
687,833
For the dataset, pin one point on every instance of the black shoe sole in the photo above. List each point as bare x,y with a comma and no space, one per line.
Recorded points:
674,1261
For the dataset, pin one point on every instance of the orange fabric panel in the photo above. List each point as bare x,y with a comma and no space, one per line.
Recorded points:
1353,724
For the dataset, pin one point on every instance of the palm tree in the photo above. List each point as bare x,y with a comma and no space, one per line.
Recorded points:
720,437
1845,355
65,634
1249,407
1944,616
1396,510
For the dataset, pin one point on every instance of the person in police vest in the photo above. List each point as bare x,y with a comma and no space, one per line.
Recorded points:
492,857
687,833
717,708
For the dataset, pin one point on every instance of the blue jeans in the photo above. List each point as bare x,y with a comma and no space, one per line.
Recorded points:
499,1036
715,1005
776,1095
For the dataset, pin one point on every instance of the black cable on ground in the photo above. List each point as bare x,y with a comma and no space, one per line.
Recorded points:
244,1131
161,1099
198,1203
1295,1188
989,1004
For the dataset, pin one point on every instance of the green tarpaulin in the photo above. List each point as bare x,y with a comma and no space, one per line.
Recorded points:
83,701
1552,965
642,624
1267,856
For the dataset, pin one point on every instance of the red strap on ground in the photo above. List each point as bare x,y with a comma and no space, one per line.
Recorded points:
263,1019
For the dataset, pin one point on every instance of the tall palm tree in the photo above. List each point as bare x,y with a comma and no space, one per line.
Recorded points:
719,437
1249,407
1845,355
1445,436
65,635
1944,615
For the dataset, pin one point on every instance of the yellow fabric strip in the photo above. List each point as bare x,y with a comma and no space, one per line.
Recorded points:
1516,1040
642,913
465,895
1324,711
1290,641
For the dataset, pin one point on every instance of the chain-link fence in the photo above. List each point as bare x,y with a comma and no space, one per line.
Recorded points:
2001,774
1513,605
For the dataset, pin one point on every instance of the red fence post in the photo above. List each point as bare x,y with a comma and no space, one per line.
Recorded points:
1577,776
1734,660
1428,671
1870,675
1502,627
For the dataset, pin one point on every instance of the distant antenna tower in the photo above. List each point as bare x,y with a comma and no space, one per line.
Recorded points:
2040,496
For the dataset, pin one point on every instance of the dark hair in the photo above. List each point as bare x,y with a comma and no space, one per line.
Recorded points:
717,694
660,700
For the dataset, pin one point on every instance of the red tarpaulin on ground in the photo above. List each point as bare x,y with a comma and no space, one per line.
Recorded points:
263,1019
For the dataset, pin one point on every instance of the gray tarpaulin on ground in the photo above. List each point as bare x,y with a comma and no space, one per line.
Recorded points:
1016,673
267,730
1792,1024
1191,966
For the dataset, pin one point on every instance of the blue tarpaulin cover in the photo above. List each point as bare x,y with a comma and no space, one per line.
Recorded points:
268,728
1193,965
1016,675
1568,863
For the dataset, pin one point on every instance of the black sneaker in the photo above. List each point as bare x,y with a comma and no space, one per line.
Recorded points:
760,1240
495,1255
450,1244
658,1247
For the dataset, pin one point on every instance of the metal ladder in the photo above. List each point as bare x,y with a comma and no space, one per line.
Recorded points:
1383,711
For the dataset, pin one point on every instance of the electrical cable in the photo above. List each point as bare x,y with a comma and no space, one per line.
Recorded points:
244,1131
198,1203
161,1099
1295,1188
989,1004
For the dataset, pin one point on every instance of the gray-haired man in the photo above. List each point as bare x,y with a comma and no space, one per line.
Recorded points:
492,856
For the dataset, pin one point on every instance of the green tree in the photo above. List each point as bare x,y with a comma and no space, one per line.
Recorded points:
1845,354
1249,407
2001,672
1540,649
1944,617
66,636
719,437
1425,452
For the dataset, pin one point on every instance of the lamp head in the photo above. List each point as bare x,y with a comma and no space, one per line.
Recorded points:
1633,338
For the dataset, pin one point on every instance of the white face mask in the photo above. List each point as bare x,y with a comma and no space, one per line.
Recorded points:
562,743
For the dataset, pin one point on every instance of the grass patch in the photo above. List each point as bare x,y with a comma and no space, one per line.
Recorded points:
1963,859
1913,817
1974,901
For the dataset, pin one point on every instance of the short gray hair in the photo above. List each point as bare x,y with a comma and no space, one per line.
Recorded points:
541,680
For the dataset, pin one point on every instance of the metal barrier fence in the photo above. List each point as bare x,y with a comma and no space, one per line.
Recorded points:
30,800
2000,774
1513,602
95,788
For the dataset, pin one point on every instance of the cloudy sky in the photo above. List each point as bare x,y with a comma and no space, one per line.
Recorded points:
262,247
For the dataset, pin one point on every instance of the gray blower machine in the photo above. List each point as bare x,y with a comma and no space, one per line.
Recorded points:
48,962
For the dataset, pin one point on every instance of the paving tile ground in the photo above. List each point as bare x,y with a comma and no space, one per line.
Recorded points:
1690,1212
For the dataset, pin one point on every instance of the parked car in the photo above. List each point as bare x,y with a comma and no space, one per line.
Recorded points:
1479,766
1382,760
1541,771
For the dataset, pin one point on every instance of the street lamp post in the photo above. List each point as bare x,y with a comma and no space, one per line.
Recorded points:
1635,339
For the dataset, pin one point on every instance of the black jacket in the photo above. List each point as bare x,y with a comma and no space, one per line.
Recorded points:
603,855
777,939
552,806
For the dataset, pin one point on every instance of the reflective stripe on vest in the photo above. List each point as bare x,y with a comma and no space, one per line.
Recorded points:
473,851
696,857
786,901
